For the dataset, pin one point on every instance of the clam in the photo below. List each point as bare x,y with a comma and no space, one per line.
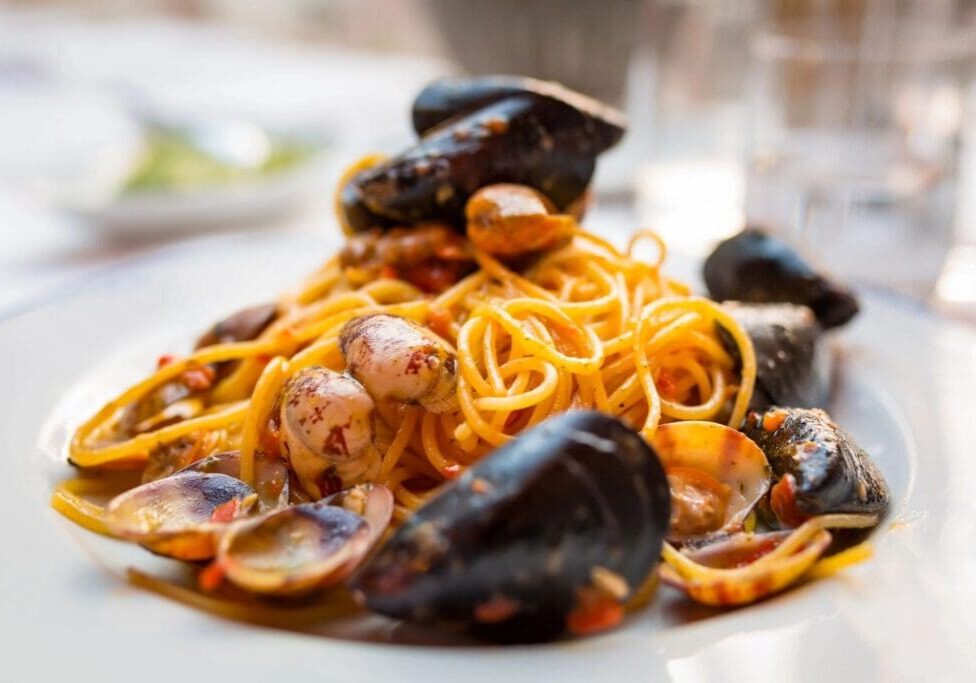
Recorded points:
554,530
757,268
372,502
819,468
716,476
270,474
181,516
327,430
746,567
305,547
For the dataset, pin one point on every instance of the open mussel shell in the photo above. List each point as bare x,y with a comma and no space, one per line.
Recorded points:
716,474
447,98
792,366
181,516
294,550
757,268
818,468
543,143
576,504
270,474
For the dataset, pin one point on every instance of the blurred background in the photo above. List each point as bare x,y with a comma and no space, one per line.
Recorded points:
847,126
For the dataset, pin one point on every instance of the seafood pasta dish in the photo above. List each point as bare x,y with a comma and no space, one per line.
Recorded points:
481,415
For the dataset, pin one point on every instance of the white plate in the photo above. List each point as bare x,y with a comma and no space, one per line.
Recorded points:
908,614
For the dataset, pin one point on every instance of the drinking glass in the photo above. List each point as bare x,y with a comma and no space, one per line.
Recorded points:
853,137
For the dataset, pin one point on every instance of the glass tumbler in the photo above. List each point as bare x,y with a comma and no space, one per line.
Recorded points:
853,137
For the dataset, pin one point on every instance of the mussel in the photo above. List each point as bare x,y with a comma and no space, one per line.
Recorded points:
447,98
181,516
818,467
792,367
716,476
545,143
757,268
305,547
563,522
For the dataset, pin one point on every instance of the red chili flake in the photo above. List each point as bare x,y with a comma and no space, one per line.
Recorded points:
225,512
666,382
389,273
165,360
763,548
198,378
263,358
594,615
451,470
211,576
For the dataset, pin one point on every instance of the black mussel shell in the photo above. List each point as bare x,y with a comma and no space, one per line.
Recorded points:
792,367
507,547
757,268
830,473
543,143
447,98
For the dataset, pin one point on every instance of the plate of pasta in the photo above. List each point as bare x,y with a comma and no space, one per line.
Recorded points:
476,424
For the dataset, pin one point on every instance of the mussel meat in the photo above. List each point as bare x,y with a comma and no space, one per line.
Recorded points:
510,220
716,476
181,516
563,522
818,467
447,98
755,267
544,143
792,368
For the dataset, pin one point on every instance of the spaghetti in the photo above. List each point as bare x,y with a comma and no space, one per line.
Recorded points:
586,326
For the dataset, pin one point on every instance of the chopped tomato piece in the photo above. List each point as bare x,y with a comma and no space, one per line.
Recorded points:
782,500
225,512
211,576
594,616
